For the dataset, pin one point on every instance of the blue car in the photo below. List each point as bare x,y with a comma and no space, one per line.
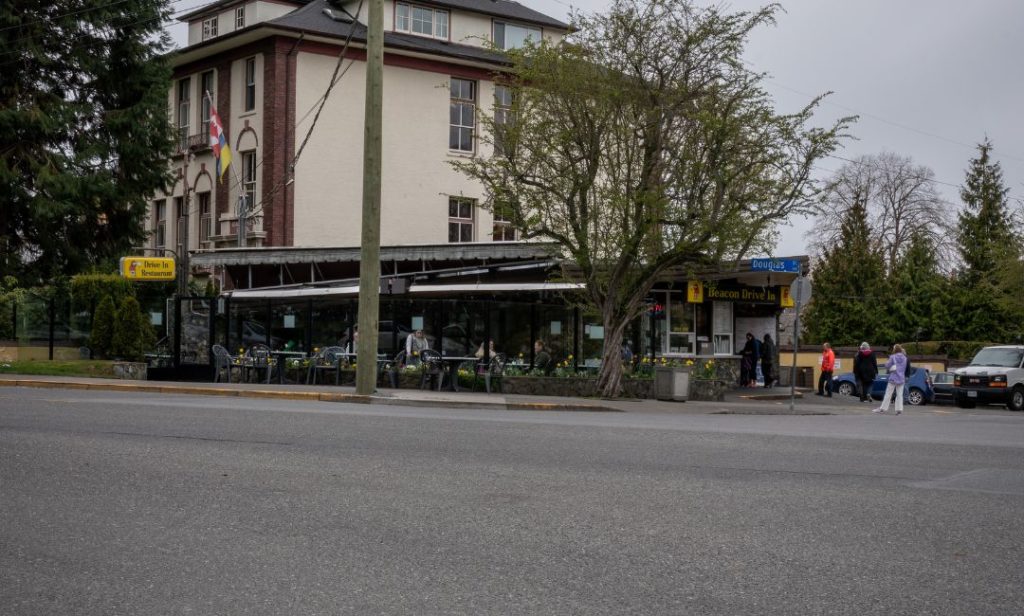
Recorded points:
918,390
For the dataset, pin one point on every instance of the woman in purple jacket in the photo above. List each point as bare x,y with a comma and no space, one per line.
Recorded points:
897,368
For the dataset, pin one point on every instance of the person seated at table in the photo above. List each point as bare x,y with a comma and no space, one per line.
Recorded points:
490,350
414,345
352,346
542,361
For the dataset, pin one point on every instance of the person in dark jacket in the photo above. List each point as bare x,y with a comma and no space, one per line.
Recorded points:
768,360
865,369
748,363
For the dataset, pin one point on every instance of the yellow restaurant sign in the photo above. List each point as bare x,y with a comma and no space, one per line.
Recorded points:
148,268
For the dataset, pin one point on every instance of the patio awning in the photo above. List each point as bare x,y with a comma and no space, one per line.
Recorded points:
300,292
496,286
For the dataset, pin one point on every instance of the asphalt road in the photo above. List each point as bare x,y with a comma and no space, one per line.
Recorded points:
148,504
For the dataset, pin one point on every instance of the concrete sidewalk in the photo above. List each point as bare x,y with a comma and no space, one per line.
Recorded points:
738,402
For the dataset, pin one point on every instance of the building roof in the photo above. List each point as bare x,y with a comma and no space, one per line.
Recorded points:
215,7
503,8
325,18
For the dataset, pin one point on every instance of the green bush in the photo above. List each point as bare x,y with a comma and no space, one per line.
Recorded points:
102,327
132,335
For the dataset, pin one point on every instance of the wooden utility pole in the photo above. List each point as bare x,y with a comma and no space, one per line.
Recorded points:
369,260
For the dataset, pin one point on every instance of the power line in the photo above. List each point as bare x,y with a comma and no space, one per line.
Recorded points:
319,106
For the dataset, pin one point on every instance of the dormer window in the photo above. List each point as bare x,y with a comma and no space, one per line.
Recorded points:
240,18
513,36
421,20
209,28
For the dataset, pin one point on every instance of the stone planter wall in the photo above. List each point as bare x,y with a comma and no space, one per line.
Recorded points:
129,370
707,389
574,387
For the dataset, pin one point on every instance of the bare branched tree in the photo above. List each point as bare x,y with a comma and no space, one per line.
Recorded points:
901,201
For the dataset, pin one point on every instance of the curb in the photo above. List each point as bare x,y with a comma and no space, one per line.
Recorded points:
309,396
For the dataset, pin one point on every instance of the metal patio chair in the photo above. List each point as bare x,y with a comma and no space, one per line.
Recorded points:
327,360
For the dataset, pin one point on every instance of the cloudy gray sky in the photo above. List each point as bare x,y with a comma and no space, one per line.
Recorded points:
928,78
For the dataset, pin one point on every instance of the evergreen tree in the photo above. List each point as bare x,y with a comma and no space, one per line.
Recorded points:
849,281
132,335
102,327
84,136
988,246
918,289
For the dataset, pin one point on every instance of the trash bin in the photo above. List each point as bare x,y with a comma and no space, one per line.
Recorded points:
671,383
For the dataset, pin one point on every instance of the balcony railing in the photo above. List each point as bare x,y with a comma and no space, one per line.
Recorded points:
195,143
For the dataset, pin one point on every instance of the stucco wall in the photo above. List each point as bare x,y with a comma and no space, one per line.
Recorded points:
417,178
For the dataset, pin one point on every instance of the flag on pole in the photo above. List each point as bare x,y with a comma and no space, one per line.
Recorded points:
219,144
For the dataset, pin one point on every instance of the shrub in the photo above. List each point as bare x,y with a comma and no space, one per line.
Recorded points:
102,327
132,334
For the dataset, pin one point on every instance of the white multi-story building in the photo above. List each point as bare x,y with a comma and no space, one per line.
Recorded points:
266,66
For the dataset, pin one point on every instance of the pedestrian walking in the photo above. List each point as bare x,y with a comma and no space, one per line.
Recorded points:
865,369
748,363
828,362
896,365
768,360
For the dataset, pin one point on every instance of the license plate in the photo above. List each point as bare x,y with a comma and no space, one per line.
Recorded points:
972,394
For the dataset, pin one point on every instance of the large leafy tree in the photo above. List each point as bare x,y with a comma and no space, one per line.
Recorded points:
990,249
640,146
84,136
850,286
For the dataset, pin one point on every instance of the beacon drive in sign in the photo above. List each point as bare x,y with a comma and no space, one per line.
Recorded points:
148,268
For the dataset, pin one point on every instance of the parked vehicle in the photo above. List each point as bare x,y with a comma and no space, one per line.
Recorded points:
994,376
918,390
942,383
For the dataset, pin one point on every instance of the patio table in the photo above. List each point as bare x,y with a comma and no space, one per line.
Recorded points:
282,357
451,368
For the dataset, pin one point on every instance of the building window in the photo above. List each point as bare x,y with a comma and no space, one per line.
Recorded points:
159,223
205,96
421,20
205,221
184,105
502,116
249,179
721,323
250,84
513,36
463,115
239,18
460,219
503,230
209,28
682,337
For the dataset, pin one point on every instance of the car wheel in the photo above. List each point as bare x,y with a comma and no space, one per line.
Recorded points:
964,404
846,388
915,397
1016,402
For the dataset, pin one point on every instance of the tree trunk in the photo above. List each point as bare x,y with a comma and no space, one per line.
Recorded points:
609,379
